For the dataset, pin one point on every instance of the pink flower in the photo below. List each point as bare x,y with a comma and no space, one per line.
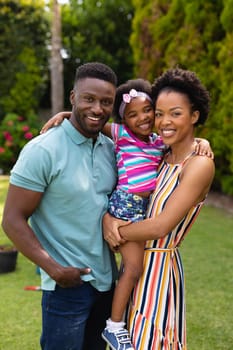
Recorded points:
28,135
20,118
7,136
2,150
25,128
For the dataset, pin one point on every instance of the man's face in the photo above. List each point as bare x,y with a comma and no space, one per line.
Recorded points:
92,100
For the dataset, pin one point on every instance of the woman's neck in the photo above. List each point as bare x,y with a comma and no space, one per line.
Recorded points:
178,153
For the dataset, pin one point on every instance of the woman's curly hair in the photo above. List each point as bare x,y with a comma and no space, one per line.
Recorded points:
137,84
187,83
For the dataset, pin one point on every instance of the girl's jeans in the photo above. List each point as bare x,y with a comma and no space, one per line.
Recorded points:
74,318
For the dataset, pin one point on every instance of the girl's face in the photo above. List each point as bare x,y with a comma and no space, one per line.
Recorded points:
139,117
174,119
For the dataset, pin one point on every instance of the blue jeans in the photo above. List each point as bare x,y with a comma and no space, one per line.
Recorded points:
74,318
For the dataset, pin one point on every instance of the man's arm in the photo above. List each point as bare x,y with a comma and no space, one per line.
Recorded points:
19,206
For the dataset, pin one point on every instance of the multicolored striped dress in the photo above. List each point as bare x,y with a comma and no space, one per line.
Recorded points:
156,316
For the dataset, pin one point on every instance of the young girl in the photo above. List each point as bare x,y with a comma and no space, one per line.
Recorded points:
138,154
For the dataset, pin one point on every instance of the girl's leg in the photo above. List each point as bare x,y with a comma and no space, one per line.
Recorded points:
115,334
132,256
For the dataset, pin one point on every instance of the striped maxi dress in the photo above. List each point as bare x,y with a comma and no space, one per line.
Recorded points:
156,314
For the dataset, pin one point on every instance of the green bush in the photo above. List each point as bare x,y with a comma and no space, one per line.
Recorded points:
15,132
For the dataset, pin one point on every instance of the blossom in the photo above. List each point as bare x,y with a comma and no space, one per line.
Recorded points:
7,136
15,131
28,135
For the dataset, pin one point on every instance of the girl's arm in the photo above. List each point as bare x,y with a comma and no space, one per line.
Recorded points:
55,121
59,117
203,148
107,130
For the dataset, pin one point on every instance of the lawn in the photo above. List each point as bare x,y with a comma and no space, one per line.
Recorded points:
208,262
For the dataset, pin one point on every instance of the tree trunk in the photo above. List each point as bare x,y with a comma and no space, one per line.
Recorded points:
56,64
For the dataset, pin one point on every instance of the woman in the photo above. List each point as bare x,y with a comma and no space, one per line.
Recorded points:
156,315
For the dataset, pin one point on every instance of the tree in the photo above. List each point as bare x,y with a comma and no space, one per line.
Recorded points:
97,31
196,35
56,65
23,55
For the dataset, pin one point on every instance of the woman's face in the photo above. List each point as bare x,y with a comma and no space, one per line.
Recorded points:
174,119
139,117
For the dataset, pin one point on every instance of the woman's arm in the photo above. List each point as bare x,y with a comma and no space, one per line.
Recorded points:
195,181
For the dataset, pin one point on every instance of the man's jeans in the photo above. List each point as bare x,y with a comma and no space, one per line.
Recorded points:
74,318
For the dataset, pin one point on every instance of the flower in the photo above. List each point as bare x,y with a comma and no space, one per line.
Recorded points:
15,132
28,135
25,127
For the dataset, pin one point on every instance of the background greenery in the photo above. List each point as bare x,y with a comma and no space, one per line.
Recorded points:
208,264
136,38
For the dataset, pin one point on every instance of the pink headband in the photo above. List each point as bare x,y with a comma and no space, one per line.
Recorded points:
128,97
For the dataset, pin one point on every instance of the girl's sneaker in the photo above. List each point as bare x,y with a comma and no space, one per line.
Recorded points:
117,340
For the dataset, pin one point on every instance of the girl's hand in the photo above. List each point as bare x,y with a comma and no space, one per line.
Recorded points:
55,121
203,148
111,232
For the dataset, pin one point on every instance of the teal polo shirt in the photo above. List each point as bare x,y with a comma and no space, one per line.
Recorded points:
76,178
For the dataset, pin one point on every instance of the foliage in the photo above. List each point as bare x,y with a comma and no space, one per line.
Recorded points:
97,31
15,132
195,35
23,55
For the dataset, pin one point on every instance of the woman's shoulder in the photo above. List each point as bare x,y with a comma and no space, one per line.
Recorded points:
198,165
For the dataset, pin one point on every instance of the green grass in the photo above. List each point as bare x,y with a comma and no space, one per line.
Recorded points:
208,263
20,314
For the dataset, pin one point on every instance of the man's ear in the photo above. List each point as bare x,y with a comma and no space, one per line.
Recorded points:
72,97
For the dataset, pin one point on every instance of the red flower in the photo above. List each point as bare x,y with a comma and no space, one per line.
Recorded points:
2,150
7,136
28,135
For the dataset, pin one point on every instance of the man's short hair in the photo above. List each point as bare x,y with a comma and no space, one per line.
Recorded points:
96,70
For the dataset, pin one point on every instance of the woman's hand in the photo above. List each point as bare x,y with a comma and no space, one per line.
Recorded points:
111,231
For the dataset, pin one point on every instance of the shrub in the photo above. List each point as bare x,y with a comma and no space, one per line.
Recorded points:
15,132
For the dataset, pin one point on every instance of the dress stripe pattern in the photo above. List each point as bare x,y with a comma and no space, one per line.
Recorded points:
156,314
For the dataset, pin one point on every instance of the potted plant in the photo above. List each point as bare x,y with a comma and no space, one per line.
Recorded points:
8,258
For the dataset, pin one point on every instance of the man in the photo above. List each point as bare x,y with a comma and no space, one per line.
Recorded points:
61,182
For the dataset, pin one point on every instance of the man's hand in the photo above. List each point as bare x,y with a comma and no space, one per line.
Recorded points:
69,276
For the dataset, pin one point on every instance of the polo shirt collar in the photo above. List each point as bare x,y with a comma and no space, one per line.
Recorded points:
76,136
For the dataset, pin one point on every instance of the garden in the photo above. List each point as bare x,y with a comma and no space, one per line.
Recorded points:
208,264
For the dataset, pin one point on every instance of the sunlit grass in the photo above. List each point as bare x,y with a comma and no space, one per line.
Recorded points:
207,254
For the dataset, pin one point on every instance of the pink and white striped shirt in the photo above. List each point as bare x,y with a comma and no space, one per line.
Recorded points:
137,161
